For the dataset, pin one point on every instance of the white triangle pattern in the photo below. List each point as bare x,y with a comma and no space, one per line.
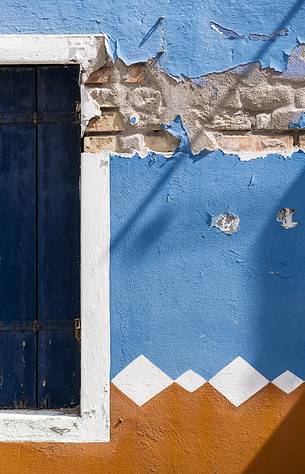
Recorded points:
141,380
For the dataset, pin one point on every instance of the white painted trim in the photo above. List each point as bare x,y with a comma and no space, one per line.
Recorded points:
85,50
92,424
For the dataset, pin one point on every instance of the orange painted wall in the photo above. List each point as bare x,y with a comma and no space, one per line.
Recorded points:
182,433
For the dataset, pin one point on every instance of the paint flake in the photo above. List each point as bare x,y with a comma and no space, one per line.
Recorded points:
232,35
285,217
227,223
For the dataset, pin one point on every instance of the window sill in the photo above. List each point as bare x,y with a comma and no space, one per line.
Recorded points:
51,426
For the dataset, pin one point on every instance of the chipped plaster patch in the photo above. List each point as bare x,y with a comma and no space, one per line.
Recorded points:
227,223
285,217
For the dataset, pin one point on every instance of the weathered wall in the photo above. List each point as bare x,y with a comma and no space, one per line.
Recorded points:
197,38
247,110
203,110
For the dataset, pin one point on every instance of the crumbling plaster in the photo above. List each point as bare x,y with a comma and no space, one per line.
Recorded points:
248,110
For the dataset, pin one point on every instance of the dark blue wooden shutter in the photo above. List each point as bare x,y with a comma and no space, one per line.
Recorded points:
17,238
58,155
39,237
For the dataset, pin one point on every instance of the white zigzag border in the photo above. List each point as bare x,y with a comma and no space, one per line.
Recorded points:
141,380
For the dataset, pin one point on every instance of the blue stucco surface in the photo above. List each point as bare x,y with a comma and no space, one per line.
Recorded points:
197,37
189,296
184,294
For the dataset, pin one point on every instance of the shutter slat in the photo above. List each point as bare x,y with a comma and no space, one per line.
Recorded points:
17,239
58,237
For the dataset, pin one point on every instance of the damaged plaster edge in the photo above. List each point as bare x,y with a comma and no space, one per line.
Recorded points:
231,34
242,156
249,156
114,53
272,145
227,222
285,218
143,154
89,108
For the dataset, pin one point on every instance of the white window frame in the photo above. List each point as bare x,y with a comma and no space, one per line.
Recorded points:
92,423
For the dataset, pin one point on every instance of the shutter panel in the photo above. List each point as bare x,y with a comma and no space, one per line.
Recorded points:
58,155
17,238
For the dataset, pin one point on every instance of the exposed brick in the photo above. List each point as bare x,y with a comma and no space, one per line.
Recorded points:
109,121
130,143
237,121
102,75
97,144
281,118
134,74
161,142
251,144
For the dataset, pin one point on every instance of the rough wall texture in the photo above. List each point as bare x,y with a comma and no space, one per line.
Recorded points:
247,110
203,110
182,433
195,38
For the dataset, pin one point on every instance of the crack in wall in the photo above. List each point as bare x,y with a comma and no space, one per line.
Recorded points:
232,35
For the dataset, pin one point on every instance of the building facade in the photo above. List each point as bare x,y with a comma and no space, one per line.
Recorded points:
192,119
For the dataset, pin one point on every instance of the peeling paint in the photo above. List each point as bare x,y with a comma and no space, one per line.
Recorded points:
177,129
250,113
226,222
225,32
272,37
285,217
181,34
232,35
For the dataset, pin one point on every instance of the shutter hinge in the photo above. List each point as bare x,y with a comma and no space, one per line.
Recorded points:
77,329
35,118
35,326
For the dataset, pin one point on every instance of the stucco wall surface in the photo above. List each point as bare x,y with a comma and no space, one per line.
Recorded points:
197,37
181,433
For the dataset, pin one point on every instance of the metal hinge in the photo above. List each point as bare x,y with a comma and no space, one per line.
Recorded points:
35,326
48,325
35,117
77,329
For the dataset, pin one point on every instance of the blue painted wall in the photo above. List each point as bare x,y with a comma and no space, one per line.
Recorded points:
189,296
197,36
184,294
